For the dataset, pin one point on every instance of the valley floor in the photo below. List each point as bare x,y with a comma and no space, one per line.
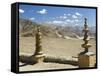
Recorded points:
54,47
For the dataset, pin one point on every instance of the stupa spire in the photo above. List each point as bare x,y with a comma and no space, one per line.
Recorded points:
86,39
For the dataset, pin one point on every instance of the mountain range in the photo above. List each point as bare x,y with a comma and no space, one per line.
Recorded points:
28,28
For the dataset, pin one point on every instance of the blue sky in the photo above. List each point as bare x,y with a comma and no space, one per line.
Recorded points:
58,15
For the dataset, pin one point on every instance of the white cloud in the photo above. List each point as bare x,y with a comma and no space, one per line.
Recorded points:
78,14
64,14
57,22
68,20
64,17
76,20
32,18
21,11
76,24
74,16
43,11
